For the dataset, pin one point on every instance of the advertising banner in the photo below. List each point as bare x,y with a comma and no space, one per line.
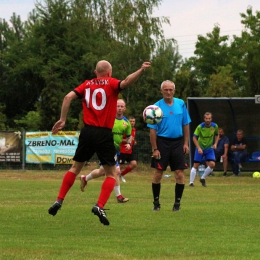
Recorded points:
45,147
10,146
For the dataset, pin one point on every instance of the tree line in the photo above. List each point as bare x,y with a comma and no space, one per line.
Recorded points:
58,46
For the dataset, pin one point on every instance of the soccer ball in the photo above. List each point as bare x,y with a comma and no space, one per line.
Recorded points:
152,115
256,175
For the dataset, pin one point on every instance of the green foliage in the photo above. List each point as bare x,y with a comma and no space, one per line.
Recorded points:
222,82
19,76
239,66
251,41
242,56
3,118
31,122
186,82
57,48
67,38
212,52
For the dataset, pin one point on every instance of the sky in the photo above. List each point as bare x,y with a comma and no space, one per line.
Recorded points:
189,18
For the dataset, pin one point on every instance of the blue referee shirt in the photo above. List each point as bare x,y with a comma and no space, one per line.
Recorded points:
174,118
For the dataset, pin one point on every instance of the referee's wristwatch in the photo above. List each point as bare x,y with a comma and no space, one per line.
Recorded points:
155,149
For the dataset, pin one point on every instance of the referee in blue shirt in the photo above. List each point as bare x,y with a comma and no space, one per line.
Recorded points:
170,143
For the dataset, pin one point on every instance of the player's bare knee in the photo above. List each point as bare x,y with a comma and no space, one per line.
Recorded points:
133,164
211,164
179,176
157,176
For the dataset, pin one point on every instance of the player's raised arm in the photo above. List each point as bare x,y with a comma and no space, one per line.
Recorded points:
130,79
64,111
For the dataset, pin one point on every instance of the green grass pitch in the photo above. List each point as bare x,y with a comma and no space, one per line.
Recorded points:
218,222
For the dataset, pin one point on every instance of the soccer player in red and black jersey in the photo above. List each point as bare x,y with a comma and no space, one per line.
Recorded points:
127,155
99,100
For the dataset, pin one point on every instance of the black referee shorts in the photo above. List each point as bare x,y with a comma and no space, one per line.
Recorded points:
171,150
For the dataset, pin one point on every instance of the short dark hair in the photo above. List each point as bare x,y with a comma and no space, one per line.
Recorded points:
208,114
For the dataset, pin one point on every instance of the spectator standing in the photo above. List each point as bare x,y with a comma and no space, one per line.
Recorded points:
170,143
99,98
205,138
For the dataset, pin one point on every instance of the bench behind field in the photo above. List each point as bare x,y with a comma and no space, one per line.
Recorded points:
251,163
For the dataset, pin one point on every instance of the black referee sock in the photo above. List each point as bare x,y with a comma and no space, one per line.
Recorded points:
156,187
179,188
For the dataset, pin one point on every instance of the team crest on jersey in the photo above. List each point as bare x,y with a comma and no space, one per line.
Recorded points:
124,124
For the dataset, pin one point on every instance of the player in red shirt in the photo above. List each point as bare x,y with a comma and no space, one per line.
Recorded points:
99,100
127,155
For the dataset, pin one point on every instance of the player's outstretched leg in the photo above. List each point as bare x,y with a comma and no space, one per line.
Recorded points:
55,207
101,214
122,199
106,189
67,183
203,182
83,182
122,178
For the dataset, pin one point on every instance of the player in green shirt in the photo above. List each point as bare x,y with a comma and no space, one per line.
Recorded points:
205,138
121,126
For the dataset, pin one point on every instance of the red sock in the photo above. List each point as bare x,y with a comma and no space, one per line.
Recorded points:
106,189
126,170
67,182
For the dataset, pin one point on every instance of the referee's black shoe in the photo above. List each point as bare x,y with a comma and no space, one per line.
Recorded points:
156,205
176,206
